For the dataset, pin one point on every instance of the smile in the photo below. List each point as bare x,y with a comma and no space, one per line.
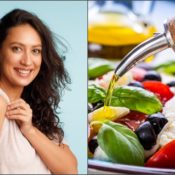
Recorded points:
23,72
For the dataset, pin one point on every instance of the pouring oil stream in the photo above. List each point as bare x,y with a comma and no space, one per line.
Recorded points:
147,48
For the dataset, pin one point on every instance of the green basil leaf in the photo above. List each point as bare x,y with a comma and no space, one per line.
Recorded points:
136,99
95,94
99,70
120,144
168,67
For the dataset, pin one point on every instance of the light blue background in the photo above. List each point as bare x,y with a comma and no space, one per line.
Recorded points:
69,20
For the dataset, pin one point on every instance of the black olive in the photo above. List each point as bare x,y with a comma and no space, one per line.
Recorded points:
92,145
146,135
97,105
136,84
171,84
90,109
152,75
158,121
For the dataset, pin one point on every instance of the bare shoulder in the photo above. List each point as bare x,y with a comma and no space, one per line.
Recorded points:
62,145
3,106
3,103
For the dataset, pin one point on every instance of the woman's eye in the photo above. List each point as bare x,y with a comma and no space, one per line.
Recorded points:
36,51
16,49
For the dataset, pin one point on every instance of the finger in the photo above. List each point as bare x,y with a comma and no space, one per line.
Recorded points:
18,104
16,117
17,111
9,108
20,100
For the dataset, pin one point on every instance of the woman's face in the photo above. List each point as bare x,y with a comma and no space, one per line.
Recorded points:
20,56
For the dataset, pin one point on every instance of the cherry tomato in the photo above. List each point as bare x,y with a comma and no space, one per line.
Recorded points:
161,90
164,157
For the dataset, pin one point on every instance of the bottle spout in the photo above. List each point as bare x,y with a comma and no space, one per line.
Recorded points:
147,48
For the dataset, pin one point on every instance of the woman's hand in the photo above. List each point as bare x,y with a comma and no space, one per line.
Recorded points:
20,111
58,159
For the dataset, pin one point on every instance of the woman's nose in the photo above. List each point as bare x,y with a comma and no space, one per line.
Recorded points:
26,59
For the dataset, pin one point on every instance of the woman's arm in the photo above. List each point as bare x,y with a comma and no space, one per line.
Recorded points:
58,159
3,106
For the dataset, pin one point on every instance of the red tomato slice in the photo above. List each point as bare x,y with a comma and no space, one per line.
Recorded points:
161,90
132,120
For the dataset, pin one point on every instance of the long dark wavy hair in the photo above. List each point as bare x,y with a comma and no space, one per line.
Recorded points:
44,93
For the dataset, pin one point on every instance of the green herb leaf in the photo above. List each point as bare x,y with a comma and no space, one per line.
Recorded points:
168,67
120,144
98,70
136,99
95,94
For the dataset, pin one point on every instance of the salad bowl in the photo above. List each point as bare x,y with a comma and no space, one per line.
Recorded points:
143,101
99,167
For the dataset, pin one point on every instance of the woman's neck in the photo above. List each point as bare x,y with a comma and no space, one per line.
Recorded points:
12,92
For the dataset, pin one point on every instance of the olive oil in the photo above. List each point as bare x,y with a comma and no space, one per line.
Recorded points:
110,89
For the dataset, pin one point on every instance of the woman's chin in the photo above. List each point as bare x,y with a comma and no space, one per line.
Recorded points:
21,83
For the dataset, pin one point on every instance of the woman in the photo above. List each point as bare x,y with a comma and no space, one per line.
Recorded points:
32,76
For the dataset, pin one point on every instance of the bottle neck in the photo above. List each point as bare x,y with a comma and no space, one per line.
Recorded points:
142,51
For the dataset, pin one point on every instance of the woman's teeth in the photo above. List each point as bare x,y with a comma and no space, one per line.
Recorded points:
23,72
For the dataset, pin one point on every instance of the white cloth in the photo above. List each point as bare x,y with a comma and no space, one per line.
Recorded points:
17,156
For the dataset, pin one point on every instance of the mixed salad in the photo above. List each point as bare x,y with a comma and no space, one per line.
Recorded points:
138,128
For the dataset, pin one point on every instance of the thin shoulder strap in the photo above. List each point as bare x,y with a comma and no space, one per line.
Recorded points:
3,94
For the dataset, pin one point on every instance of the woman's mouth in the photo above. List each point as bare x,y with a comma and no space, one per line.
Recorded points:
23,72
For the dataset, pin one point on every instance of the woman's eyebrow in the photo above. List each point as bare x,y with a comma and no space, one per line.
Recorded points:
37,45
19,43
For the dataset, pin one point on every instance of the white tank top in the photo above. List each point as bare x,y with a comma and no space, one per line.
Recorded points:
17,156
